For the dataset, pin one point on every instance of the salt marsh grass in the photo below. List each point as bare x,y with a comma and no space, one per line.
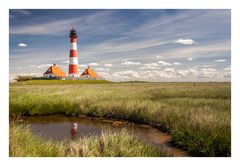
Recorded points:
24,144
198,117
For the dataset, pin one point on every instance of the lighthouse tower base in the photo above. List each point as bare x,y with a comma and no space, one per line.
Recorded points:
73,75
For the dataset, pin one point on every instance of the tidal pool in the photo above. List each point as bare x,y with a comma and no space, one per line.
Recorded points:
61,128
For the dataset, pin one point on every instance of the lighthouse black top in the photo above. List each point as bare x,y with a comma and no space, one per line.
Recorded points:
73,33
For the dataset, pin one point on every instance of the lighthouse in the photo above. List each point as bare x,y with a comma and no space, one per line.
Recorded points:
73,57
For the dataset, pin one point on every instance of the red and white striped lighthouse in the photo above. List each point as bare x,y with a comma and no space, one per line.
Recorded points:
73,57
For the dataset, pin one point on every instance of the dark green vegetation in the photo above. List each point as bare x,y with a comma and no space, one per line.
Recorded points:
24,78
24,144
54,82
198,117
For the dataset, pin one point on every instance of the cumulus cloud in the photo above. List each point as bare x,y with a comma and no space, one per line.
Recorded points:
227,72
93,64
220,60
82,65
104,75
129,74
130,63
108,65
184,41
41,66
207,66
158,56
227,69
167,74
163,63
150,66
187,72
22,45
169,70
208,72
67,61
102,69
176,63
189,59
197,73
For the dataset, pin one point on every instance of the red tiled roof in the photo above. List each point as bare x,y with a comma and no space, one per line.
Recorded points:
56,71
89,72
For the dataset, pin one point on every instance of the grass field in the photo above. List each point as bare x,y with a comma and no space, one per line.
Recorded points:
24,144
198,117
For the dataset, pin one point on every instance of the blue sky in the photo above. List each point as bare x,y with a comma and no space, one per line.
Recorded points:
122,45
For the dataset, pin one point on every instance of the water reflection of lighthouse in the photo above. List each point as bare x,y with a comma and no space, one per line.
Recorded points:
74,130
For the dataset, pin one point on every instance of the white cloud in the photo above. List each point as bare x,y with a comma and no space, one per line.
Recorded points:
227,69
67,61
169,70
147,68
208,66
22,45
167,74
158,56
82,65
182,72
102,69
199,73
208,72
157,75
93,64
104,75
41,66
184,41
208,69
176,63
108,65
163,63
187,72
220,60
151,64
190,59
129,74
130,63
227,72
